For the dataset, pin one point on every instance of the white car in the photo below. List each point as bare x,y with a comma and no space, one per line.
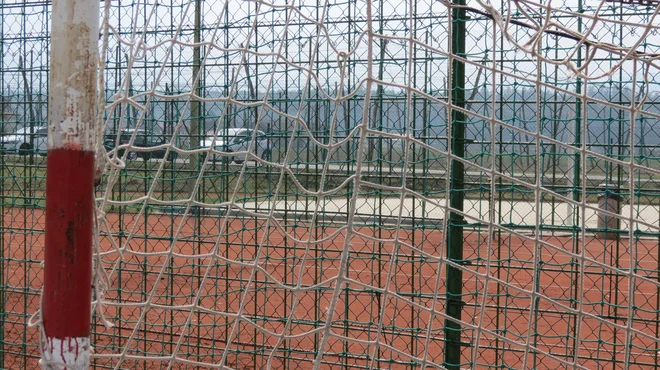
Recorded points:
236,140
25,140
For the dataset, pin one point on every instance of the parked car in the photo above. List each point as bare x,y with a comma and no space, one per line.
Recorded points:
235,140
143,139
25,140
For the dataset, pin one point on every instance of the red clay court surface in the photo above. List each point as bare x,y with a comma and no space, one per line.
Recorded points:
167,326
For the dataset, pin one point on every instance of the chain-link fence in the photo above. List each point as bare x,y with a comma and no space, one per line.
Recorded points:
542,148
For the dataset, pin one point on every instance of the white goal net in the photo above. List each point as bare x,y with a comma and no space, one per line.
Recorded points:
378,184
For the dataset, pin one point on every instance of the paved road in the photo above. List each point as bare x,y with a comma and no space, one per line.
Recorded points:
506,212
396,171
516,212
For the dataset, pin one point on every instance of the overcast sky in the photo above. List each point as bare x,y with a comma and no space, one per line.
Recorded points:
228,24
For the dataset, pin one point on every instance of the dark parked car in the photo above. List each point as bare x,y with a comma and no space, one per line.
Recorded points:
143,139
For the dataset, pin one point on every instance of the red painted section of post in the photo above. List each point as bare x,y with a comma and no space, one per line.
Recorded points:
68,269
72,116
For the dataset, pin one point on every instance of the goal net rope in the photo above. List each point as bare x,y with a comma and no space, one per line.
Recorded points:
255,211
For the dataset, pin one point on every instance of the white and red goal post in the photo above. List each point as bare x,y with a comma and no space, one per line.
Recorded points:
67,291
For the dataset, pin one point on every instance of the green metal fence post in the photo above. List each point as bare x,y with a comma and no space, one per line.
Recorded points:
195,103
456,196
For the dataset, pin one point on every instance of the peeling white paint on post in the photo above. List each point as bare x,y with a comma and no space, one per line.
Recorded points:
73,71
67,353
67,294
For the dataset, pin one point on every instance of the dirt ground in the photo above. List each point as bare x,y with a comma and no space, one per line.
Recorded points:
176,287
